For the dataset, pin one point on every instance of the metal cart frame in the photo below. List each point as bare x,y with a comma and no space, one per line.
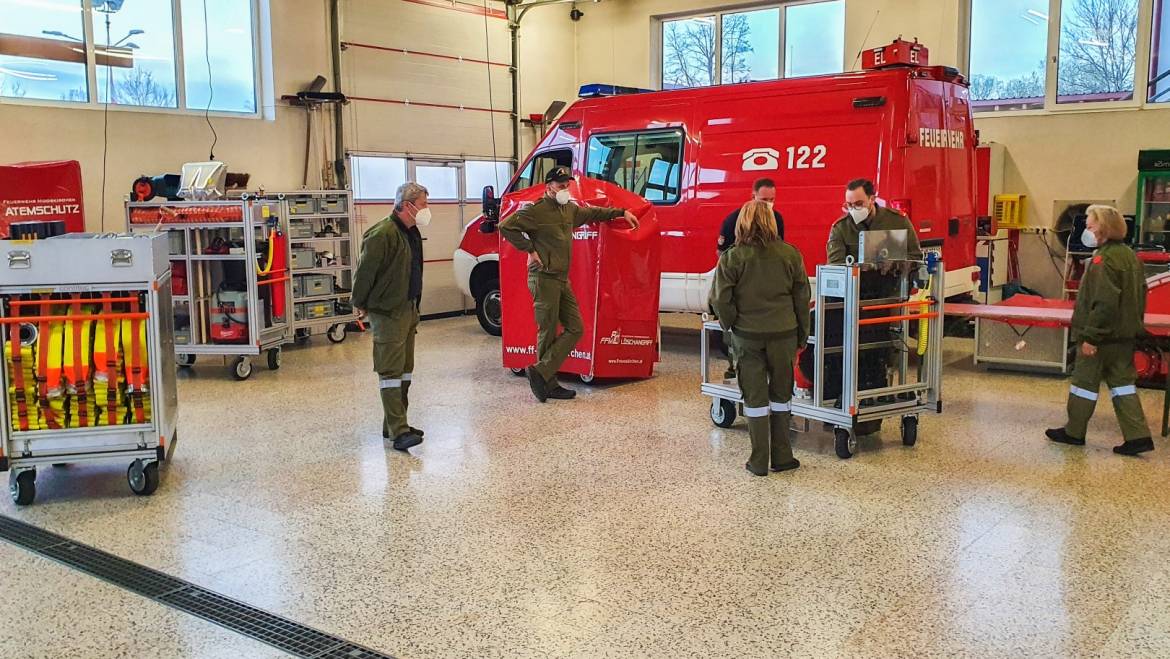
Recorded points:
838,287
266,340
88,265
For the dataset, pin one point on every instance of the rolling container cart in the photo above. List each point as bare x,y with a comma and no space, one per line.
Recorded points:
841,394
323,257
89,360
233,294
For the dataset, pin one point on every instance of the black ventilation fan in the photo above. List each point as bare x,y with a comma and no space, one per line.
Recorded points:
1067,225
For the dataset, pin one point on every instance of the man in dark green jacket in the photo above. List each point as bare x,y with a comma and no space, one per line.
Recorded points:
387,289
1108,319
544,231
863,214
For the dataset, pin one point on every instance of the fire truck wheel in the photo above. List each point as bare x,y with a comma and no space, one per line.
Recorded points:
586,378
143,479
185,361
23,488
845,443
909,430
337,333
273,359
518,372
722,412
242,368
488,309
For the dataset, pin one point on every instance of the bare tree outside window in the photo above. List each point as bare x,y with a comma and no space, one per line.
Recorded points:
1098,50
688,53
737,45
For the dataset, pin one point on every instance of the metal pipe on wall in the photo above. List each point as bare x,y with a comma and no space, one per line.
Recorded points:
338,114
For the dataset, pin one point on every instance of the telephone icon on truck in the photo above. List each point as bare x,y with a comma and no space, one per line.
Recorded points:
761,159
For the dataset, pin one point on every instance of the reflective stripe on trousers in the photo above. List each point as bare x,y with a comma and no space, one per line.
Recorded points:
781,407
755,412
1127,390
391,384
1082,393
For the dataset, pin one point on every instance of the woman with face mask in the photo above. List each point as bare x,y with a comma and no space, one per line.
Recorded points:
1108,318
761,294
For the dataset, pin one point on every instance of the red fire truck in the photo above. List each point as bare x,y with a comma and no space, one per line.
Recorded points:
694,154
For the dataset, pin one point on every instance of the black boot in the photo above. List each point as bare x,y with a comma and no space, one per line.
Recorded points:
406,441
1134,446
561,393
537,383
1059,435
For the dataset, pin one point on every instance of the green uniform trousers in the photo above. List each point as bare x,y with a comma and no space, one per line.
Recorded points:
1113,363
553,303
764,368
394,363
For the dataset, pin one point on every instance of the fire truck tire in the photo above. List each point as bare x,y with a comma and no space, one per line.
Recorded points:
337,333
845,443
273,359
586,378
143,478
242,368
488,309
722,412
185,361
909,430
23,488
518,372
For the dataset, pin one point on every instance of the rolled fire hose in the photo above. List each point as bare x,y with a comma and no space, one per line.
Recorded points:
271,252
923,324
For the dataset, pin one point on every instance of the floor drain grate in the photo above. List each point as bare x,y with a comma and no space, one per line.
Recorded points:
281,633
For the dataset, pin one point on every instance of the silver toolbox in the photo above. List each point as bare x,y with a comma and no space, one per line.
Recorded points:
80,259
333,204
302,206
303,258
313,310
312,285
300,229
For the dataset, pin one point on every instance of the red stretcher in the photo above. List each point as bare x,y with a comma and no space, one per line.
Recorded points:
1040,312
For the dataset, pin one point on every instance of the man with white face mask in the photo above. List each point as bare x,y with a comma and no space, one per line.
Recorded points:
387,289
863,214
545,231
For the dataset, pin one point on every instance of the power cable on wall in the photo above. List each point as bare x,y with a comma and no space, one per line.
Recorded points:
106,122
487,46
210,85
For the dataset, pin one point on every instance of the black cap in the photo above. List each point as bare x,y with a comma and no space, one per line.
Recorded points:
558,175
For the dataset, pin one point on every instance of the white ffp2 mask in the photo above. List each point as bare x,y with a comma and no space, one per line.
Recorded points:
563,197
422,217
859,214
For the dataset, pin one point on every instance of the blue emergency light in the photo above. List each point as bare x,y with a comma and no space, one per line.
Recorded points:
596,89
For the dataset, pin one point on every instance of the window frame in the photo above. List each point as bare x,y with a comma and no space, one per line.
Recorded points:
1142,54
259,13
658,38
682,138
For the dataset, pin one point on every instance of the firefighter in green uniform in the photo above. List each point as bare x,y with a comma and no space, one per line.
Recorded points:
545,231
387,289
1108,318
863,214
761,296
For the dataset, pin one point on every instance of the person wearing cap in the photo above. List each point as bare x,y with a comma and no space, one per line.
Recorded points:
544,231
387,289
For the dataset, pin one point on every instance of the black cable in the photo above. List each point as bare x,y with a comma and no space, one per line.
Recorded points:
487,46
106,121
1051,255
210,85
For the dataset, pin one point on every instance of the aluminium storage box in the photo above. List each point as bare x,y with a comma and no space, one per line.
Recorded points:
303,258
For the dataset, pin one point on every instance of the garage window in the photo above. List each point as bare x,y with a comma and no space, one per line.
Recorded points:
376,178
1067,54
482,173
540,165
166,55
796,38
647,164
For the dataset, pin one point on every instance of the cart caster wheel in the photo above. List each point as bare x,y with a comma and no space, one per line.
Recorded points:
337,333
518,372
587,379
845,443
242,368
722,412
143,479
185,361
909,430
23,487
273,359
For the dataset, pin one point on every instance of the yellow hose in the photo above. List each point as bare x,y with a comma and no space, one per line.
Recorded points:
271,251
924,324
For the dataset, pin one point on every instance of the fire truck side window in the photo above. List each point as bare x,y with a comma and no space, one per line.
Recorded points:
539,166
648,164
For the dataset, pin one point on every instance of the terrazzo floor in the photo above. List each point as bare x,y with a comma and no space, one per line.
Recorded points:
621,524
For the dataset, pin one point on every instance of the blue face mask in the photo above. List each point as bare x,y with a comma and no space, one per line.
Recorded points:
1089,239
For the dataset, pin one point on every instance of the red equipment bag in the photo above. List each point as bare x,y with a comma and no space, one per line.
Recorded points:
42,191
614,275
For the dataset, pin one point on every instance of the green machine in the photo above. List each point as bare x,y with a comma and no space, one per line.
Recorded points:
1153,197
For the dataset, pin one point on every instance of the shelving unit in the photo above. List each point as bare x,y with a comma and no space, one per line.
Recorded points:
219,290
321,220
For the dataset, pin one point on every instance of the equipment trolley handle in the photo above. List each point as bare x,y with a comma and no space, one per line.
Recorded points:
897,319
